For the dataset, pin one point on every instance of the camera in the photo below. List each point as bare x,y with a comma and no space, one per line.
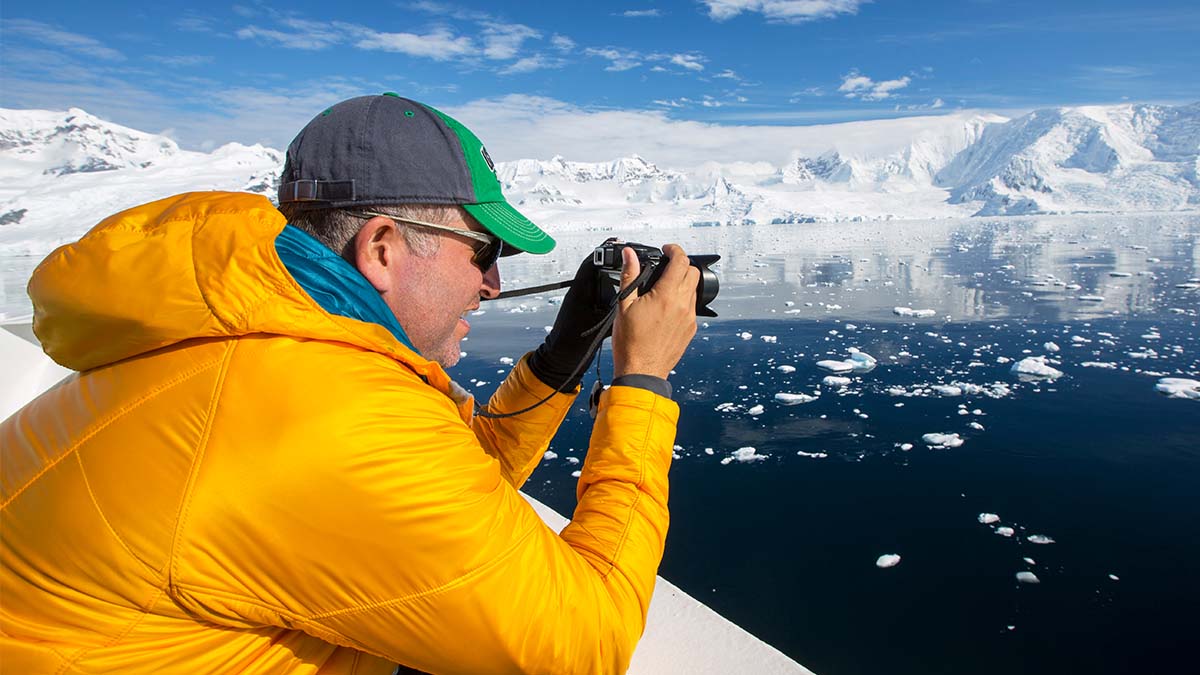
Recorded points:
607,259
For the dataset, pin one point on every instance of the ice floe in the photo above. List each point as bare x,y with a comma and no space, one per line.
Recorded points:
887,560
1039,539
1036,367
858,362
814,455
1179,387
1050,347
786,369
941,441
1028,578
1005,531
836,382
988,518
917,313
785,398
756,411
746,454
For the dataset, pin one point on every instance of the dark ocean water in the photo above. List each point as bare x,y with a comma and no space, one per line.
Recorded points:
1097,460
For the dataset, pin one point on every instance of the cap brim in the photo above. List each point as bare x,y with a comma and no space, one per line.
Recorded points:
514,229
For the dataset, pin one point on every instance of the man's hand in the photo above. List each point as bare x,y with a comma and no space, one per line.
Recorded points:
565,347
653,331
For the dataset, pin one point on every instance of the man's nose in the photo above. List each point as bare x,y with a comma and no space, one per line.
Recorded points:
489,288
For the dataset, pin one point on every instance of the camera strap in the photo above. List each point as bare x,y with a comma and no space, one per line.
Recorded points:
600,330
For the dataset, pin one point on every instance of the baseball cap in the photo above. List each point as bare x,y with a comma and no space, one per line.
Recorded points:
386,149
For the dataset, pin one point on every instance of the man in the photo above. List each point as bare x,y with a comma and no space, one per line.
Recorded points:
262,466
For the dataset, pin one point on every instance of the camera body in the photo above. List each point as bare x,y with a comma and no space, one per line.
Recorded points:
607,259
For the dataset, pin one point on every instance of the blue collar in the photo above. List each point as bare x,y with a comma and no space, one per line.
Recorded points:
334,283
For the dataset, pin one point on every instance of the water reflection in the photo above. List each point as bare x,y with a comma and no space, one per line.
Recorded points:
1035,268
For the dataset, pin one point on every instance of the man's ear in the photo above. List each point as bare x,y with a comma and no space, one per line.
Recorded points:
379,248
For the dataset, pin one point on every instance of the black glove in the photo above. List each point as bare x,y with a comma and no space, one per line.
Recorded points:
565,347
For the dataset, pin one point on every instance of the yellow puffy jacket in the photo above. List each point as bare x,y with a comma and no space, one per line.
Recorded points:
241,481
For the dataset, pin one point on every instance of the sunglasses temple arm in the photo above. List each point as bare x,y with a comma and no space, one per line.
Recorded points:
531,290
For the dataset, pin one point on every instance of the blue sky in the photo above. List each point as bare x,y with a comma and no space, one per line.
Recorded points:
256,71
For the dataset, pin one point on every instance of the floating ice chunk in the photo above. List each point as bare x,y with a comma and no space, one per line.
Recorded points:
1092,298
918,313
896,391
887,560
863,362
836,366
746,454
1099,364
1029,561
836,382
906,446
1039,539
755,411
786,369
1179,387
976,426
1188,285
1079,340
1004,531
1114,577
1035,366
506,360
793,399
1028,578
1119,274
814,455
550,454
745,335
770,339
988,518
940,441
1050,347
576,474
947,390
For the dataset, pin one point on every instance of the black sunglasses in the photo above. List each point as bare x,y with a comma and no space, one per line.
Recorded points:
484,257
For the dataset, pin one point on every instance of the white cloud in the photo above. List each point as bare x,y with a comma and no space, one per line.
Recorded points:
784,11
518,126
503,42
56,37
640,13
857,85
562,43
620,59
728,74
532,63
305,35
439,45
688,61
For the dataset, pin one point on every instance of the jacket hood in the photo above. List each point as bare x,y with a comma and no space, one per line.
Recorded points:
197,265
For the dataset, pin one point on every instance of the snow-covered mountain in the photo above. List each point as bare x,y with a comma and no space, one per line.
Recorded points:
64,171
1118,158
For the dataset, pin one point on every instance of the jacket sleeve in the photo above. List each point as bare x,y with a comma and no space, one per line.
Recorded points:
519,442
394,533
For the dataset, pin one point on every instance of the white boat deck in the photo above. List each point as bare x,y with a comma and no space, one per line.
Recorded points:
682,634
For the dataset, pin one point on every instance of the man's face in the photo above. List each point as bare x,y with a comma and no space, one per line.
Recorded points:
435,294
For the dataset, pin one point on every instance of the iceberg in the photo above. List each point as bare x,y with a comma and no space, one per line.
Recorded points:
942,441
785,398
1179,387
887,560
916,313
1035,367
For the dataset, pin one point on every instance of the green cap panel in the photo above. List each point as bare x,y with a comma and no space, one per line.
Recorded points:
479,164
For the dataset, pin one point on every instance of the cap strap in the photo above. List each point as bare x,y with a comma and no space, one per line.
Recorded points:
316,191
